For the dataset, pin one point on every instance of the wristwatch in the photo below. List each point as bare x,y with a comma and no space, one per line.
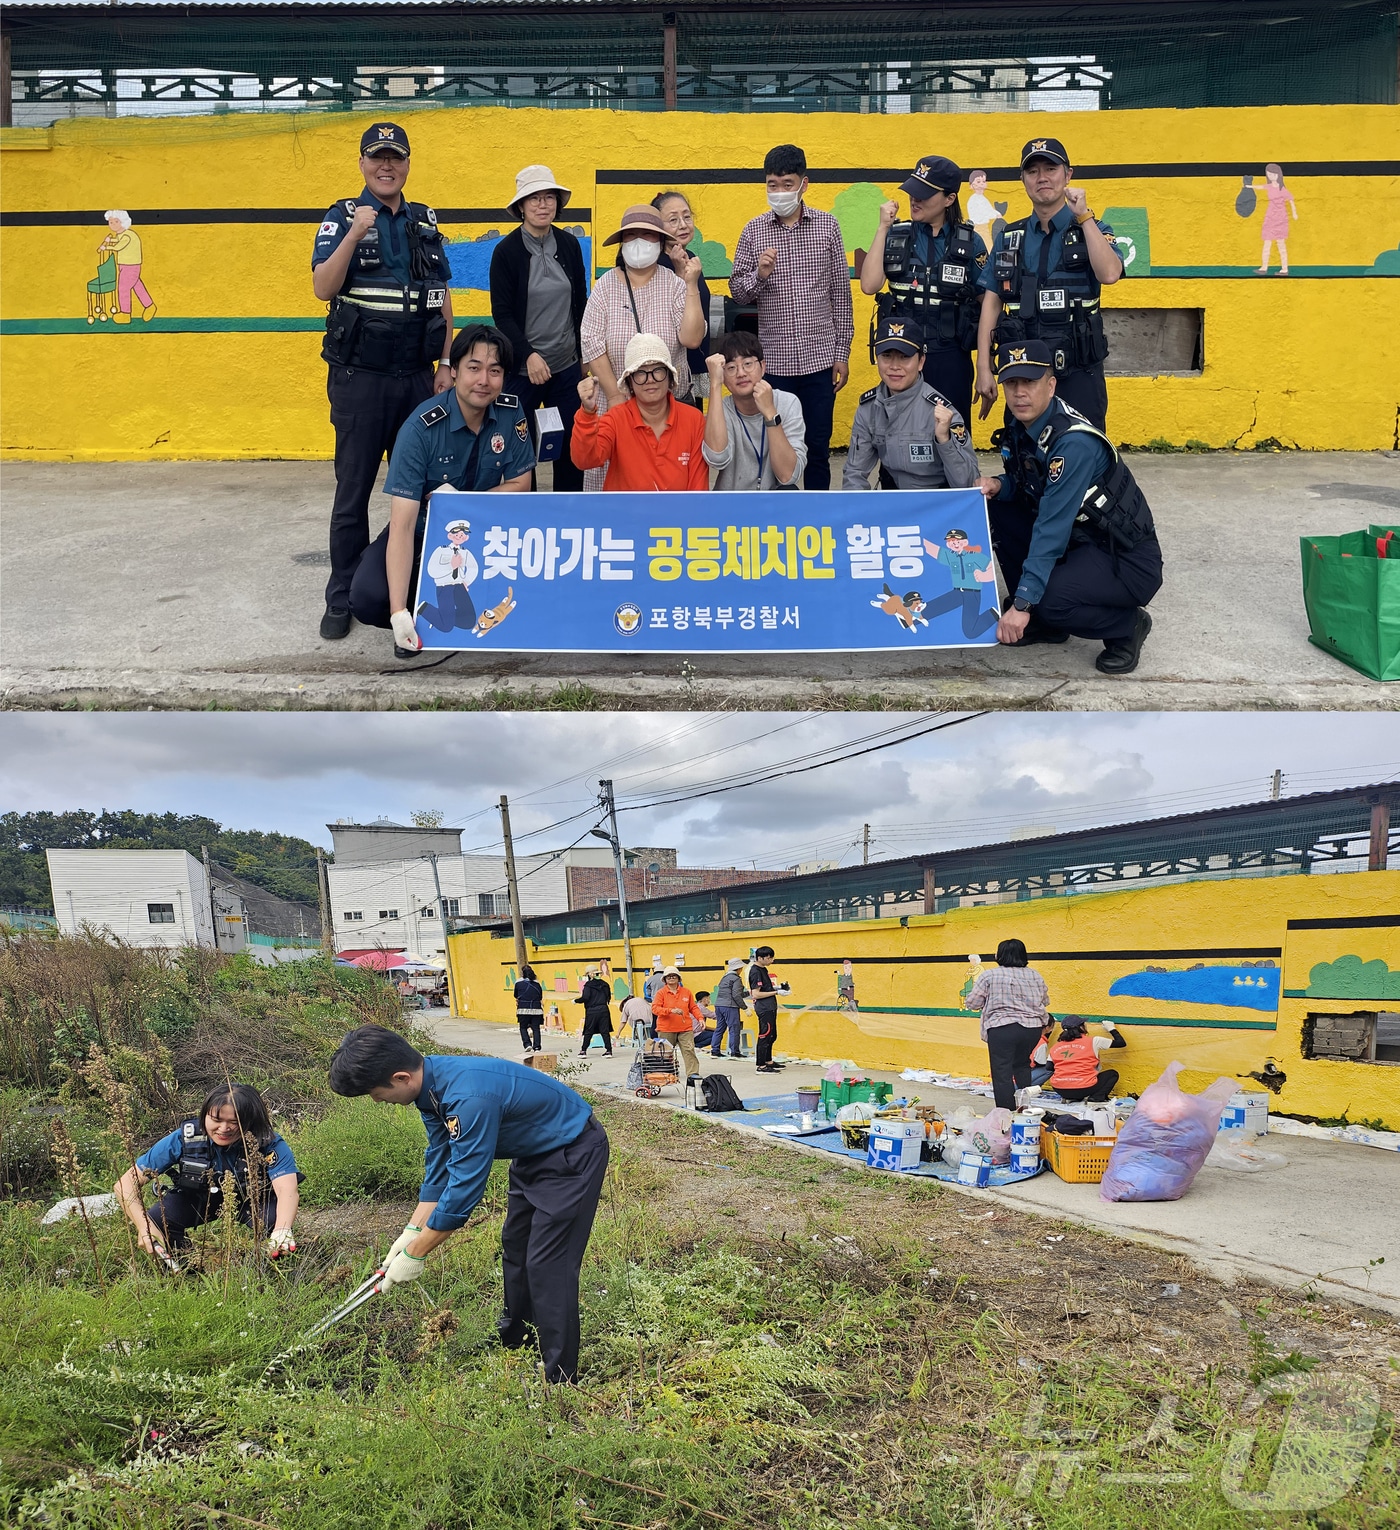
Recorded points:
1020,604
776,420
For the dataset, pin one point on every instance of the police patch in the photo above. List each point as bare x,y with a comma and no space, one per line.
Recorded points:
1056,469
330,226
436,295
959,434
522,430
454,1127
921,451
498,444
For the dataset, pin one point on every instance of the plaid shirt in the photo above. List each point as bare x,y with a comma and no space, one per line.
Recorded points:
1009,996
804,308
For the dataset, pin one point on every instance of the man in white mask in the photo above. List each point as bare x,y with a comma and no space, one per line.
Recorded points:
791,261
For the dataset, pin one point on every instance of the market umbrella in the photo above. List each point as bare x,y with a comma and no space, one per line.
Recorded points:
381,961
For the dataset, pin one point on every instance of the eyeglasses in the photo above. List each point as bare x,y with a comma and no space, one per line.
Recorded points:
651,374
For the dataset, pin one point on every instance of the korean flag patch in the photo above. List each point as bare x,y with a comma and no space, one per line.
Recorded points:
1056,469
454,1127
330,226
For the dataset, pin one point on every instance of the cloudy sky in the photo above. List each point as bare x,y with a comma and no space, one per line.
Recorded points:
984,779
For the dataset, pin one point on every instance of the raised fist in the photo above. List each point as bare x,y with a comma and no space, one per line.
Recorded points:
588,394
766,262
889,211
942,421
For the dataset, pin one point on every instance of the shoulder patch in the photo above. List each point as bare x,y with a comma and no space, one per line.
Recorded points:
522,429
508,400
330,226
869,394
958,431
1056,469
435,415
935,397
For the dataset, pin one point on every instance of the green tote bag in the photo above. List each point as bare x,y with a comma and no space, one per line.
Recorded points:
1351,588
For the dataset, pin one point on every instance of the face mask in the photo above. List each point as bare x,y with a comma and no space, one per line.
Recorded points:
640,253
784,203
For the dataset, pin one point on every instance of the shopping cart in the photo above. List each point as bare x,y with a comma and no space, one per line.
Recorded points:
653,1070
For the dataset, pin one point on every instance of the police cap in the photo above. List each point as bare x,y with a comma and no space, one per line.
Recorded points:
898,334
1031,359
384,138
932,173
1044,148
457,526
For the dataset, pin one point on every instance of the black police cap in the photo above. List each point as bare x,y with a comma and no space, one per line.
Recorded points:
1044,148
379,136
1032,359
897,334
933,173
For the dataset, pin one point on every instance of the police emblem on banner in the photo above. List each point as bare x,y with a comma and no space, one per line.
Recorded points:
1056,469
628,619
498,443
454,1127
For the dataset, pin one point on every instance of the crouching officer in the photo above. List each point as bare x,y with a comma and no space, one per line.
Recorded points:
1070,527
1043,281
196,1156
909,428
474,437
932,262
380,264
478,1109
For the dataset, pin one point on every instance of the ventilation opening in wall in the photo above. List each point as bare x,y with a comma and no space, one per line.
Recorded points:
1362,1036
1155,342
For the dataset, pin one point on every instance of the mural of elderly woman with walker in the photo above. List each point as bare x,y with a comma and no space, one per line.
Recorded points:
1280,200
125,244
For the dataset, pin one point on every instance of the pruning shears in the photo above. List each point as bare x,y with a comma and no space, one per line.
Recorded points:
352,1303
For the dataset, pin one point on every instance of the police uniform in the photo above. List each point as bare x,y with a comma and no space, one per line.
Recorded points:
437,449
195,1166
933,279
1049,292
384,332
1072,532
897,430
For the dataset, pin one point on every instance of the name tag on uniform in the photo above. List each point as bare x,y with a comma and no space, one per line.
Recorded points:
1052,300
921,451
436,296
953,275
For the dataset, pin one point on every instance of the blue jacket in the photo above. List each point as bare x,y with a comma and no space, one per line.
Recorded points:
477,1109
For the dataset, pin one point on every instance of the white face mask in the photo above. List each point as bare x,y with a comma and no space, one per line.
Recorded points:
640,253
784,203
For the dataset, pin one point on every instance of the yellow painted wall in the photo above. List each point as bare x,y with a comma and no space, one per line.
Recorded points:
1299,359
1082,945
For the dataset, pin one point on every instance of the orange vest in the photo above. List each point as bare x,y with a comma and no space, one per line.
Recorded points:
1076,1063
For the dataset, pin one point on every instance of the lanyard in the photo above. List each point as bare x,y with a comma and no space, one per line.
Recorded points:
762,446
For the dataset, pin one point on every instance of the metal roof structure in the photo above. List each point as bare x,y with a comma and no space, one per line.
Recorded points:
1292,835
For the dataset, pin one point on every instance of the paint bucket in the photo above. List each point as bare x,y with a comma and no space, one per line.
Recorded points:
1025,1129
1025,1160
808,1099
974,1168
1246,1113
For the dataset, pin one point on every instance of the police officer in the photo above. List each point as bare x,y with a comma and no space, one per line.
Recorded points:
1071,529
1043,282
932,263
474,437
380,264
909,428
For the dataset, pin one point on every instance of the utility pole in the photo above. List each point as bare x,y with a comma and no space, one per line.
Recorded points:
323,898
446,944
1276,789
610,807
512,887
865,854
209,883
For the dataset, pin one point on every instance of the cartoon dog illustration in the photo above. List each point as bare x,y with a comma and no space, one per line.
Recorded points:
493,616
905,610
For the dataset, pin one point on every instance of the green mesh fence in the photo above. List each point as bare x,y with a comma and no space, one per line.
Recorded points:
822,56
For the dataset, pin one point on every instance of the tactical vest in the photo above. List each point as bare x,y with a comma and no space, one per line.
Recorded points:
377,323
1114,513
942,298
196,1168
1063,311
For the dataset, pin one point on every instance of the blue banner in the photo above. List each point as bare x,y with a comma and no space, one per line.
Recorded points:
707,573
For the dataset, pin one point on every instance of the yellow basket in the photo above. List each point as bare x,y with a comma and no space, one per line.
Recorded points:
1077,1160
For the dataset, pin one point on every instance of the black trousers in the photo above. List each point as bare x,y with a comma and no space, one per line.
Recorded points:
1088,593
950,371
816,392
767,1034
561,393
367,410
550,1207
975,621
369,583
599,1025
1095,1093
529,1030
177,1211
1009,1047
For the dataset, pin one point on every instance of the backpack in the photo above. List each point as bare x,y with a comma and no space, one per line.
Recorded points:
719,1093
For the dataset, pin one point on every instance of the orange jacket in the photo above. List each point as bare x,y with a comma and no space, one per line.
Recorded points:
674,1009
635,456
1076,1063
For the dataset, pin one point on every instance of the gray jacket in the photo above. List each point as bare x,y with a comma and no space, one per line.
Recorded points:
730,991
896,430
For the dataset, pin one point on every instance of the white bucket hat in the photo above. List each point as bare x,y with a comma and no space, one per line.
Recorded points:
671,972
643,350
535,178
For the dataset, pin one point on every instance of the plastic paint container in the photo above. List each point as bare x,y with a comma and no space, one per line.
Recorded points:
974,1169
1246,1113
808,1099
1025,1160
1025,1129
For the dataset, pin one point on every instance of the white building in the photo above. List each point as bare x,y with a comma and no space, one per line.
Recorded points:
382,892
145,897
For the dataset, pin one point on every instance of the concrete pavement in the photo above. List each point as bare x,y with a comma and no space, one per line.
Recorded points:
1313,1223
193,584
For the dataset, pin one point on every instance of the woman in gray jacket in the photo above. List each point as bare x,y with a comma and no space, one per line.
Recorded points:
728,1000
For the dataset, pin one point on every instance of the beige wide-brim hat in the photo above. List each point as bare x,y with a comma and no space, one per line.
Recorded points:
639,219
643,350
535,178
671,972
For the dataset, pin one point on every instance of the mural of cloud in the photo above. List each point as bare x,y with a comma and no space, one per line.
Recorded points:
1350,978
1233,987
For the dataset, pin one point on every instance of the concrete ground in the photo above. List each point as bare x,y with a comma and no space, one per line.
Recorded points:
191,584
1312,1223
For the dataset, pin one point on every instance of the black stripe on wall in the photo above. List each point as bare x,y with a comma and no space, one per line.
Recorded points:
1364,922
1181,171
302,215
1035,956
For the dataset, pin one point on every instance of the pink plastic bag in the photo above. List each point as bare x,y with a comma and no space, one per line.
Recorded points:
1165,1141
991,1134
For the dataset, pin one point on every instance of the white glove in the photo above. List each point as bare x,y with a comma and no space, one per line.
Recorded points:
280,1241
402,1268
401,1243
405,634
1109,1025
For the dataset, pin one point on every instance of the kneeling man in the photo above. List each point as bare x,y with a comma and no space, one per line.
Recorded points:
477,1109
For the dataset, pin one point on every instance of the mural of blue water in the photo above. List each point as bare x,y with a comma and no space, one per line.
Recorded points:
470,260
1234,987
